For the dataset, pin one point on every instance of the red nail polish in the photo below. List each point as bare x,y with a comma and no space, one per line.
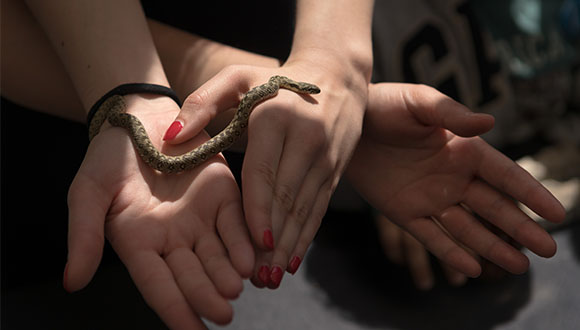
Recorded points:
276,276
173,130
268,239
65,278
294,264
264,274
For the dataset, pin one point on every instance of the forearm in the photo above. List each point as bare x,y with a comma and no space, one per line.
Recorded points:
34,76
190,60
335,35
101,44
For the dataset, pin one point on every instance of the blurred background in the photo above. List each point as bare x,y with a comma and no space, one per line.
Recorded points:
517,60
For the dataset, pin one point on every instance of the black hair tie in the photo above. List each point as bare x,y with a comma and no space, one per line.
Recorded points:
133,88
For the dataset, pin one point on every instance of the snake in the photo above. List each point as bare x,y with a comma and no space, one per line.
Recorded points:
113,110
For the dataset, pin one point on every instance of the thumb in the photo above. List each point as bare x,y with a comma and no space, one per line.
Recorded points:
440,110
87,210
217,95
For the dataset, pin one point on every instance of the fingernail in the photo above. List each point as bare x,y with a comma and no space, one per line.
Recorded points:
294,264
173,130
276,276
264,274
268,239
65,278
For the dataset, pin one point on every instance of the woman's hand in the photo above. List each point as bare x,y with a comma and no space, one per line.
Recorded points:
182,237
403,249
298,146
297,149
421,164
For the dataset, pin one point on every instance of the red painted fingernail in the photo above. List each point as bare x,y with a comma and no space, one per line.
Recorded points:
264,274
268,239
276,276
173,130
65,278
294,264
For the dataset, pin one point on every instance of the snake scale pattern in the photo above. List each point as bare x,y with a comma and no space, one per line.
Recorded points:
113,110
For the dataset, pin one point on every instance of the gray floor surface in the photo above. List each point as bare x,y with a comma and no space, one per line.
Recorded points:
336,288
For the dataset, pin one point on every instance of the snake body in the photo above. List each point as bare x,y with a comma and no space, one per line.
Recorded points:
113,110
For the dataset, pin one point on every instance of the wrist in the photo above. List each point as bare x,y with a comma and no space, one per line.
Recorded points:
356,62
154,111
144,104
333,71
335,33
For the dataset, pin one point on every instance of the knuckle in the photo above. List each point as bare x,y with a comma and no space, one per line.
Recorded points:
196,100
229,70
315,217
237,74
232,70
327,165
284,196
300,214
313,212
266,173
422,89
418,92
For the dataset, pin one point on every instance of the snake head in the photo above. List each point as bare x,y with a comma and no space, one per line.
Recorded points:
295,86
310,88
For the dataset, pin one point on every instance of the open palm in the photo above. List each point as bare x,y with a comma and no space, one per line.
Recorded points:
420,163
167,229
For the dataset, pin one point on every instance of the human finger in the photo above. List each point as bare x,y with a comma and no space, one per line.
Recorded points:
391,237
216,264
504,214
259,172
310,193
418,262
309,230
509,178
198,289
261,275
295,169
454,277
157,284
88,207
466,229
218,94
426,231
234,234
293,257
434,108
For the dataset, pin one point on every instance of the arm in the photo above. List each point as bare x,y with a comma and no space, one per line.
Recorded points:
296,148
190,60
409,124
34,76
102,44
181,275
331,48
336,36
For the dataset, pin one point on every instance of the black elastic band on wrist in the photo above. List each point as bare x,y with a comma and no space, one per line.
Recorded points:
133,88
